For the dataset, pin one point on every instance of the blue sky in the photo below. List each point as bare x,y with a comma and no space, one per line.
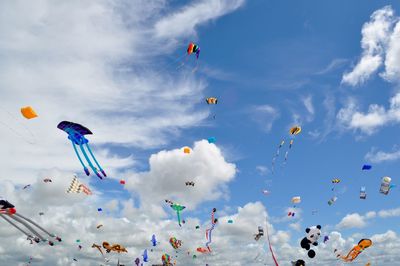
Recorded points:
272,65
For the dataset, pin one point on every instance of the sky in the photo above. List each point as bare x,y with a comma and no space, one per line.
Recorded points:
120,68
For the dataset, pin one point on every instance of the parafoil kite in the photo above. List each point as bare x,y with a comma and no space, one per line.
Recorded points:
175,243
76,134
326,238
193,49
366,167
98,226
78,187
211,100
209,230
115,247
137,261
211,140
295,130
28,112
186,150
10,215
295,201
356,250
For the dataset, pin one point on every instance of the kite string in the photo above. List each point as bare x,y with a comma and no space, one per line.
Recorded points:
15,131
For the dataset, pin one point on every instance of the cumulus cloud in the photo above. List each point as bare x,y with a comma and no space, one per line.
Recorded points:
389,213
353,220
380,45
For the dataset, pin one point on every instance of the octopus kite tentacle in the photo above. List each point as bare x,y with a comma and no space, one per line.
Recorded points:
208,231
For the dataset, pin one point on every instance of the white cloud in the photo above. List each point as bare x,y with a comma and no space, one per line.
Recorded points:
389,213
376,34
169,170
184,22
93,63
381,156
376,117
353,220
307,101
264,116
262,170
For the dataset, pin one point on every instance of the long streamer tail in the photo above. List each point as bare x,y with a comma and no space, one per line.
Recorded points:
80,159
94,158
270,248
16,226
35,224
89,162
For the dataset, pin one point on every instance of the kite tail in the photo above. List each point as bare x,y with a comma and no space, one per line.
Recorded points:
179,217
270,248
38,226
80,160
213,222
94,158
30,228
89,162
16,226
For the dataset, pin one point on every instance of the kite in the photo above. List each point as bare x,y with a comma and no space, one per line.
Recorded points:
366,167
356,250
295,130
326,238
335,181
266,192
295,200
186,150
175,243
100,250
77,187
76,134
153,240
363,193
385,185
178,208
99,209
28,112
209,231
145,257
47,180
212,100
298,263
189,183
116,247
100,225
230,221
332,200
166,260
193,49
41,213
25,187
10,215
211,140
122,182
202,250
137,261
259,234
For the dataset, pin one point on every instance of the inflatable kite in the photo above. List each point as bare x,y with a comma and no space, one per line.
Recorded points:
153,240
166,260
10,215
385,185
259,234
356,250
116,247
28,112
145,257
175,243
76,134
178,208
209,230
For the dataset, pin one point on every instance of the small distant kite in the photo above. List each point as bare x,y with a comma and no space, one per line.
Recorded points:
212,100
259,234
76,134
47,180
28,112
366,167
78,187
189,183
193,49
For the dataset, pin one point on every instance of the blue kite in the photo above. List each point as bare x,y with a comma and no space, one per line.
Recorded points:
76,133
145,257
366,167
153,240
